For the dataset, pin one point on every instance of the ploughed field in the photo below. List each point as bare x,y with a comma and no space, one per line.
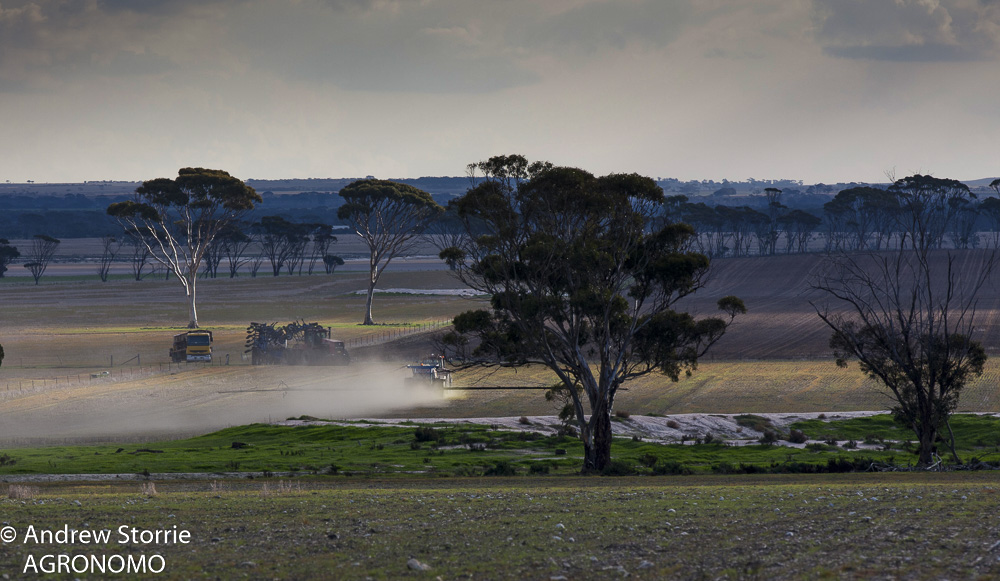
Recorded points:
88,360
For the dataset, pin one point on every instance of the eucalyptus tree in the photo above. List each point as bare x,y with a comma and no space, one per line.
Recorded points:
8,254
181,217
906,315
110,247
389,218
234,244
322,239
583,279
40,253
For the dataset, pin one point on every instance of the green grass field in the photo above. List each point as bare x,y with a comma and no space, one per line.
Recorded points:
446,450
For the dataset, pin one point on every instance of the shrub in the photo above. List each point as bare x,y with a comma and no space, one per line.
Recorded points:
873,439
501,468
797,437
648,460
423,434
536,468
622,414
670,467
710,439
769,437
414,445
6,460
724,468
754,422
523,420
673,425
464,470
850,445
619,468
560,452
567,430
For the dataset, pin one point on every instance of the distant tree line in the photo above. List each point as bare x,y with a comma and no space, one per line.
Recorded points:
857,218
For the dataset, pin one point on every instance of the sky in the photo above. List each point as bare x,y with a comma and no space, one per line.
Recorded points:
817,90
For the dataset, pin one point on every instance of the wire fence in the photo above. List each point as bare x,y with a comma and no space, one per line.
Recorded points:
393,332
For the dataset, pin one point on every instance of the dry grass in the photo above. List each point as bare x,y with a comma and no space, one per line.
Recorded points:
279,488
21,492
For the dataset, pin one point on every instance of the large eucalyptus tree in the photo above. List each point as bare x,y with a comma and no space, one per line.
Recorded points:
583,276
179,219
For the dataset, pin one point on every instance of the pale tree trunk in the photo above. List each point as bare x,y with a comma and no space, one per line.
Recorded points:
368,305
372,281
192,297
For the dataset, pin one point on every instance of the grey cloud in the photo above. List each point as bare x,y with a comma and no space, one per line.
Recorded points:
612,24
393,49
908,30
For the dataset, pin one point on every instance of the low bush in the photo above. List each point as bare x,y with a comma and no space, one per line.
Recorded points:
797,437
754,422
423,434
619,468
538,468
769,437
671,468
501,468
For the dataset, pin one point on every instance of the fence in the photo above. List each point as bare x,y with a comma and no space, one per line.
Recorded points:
393,332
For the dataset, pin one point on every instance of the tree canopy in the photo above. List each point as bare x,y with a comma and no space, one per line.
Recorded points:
389,217
581,281
8,254
181,217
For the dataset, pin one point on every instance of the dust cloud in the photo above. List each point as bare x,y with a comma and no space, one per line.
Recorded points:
197,402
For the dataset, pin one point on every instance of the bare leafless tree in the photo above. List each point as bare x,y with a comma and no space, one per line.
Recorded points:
40,253
910,316
110,247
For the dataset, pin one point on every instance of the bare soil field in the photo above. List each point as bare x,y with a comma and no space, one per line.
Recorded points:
782,324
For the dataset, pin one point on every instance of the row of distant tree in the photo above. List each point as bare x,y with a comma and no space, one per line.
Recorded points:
858,218
273,246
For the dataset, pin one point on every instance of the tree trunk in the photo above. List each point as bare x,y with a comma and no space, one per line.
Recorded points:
193,324
597,456
926,437
372,281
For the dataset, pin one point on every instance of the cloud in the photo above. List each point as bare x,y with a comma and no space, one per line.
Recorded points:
908,30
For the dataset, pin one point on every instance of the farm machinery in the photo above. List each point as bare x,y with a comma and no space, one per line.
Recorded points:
297,343
429,371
